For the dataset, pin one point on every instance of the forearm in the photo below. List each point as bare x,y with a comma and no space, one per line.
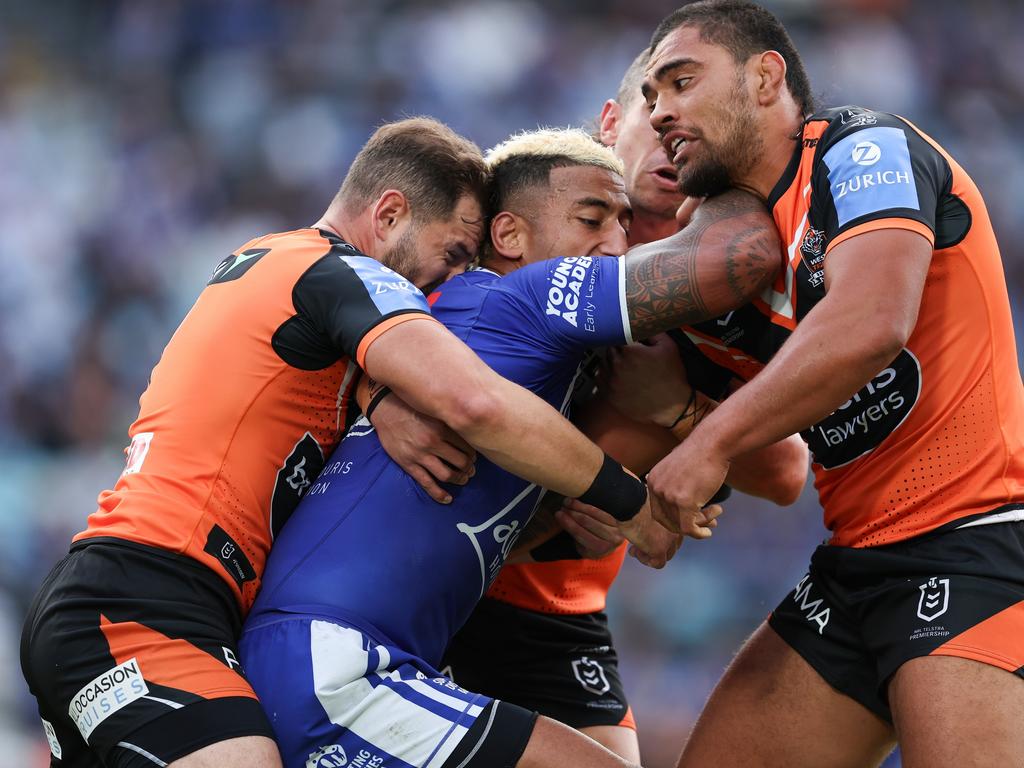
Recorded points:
810,377
529,438
542,526
438,375
726,256
777,472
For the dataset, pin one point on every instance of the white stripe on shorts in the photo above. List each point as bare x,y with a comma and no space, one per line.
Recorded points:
378,715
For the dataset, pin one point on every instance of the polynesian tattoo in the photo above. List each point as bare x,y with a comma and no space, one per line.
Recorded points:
727,256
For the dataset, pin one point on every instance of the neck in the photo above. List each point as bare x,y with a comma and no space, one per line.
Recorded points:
500,265
648,227
352,231
780,141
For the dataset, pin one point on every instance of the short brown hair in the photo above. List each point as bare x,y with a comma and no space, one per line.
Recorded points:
629,88
425,160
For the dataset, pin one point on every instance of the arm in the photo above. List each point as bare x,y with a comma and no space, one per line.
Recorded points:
437,374
874,283
425,448
728,254
636,446
777,472
650,382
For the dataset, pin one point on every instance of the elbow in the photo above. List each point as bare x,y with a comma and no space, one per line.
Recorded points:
789,487
475,413
888,339
791,473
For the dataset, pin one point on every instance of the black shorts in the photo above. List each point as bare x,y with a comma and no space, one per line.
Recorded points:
131,653
562,666
860,613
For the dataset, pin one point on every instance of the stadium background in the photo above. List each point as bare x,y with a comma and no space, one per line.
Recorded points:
141,142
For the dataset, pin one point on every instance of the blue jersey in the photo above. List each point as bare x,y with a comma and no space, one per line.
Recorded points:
366,546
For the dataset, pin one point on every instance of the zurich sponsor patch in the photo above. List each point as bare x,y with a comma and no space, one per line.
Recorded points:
870,171
389,290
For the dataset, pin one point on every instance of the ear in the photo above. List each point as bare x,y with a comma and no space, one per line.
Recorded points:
771,77
508,236
389,212
608,127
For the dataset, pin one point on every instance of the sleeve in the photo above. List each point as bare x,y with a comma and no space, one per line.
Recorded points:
876,171
352,300
575,303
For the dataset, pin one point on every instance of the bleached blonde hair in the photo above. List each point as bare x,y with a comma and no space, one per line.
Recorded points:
565,146
523,162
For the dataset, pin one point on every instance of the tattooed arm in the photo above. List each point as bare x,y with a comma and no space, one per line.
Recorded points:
727,255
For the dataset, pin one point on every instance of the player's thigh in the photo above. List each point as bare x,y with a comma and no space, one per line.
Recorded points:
958,713
555,745
148,671
771,708
619,739
244,752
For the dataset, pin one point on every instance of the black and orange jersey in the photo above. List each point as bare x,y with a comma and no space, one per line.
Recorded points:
559,586
249,396
938,435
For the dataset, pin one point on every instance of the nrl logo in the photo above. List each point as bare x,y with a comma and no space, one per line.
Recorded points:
590,675
934,600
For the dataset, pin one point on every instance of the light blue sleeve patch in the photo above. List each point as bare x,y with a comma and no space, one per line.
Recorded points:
389,290
870,171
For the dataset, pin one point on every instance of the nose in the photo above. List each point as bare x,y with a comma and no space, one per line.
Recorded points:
614,243
663,115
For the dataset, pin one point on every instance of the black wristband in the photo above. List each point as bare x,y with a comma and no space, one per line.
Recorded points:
379,395
561,546
721,494
616,491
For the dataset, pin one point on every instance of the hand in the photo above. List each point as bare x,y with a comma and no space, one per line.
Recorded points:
596,532
652,544
685,211
647,382
681,484
424,447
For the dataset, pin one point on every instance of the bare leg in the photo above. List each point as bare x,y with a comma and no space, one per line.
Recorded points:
772,709
243,752
555,745
957,712
619,739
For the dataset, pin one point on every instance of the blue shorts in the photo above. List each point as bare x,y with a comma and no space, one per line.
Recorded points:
336,697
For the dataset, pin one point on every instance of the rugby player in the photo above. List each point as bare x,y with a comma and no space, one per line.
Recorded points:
887,339
130,645
369,579
545,620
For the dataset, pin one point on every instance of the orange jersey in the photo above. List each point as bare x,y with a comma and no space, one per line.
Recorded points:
561,586
938,435
248,398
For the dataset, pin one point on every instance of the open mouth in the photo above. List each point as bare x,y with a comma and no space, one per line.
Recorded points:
666,177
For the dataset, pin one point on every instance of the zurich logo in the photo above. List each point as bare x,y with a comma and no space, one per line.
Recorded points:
866,153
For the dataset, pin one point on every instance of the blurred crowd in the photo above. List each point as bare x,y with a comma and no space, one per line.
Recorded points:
140,143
